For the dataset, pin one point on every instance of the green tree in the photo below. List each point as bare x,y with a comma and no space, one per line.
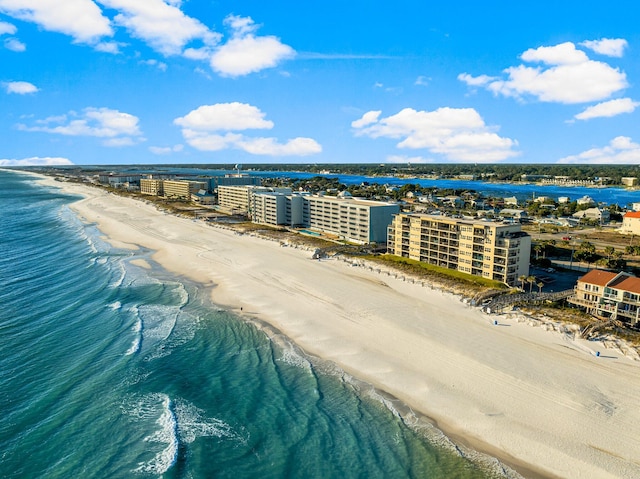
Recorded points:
531,280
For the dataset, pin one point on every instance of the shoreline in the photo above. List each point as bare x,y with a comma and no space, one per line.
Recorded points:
365,337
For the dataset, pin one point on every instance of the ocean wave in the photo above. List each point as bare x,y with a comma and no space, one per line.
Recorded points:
167,435
115,305
137,340
122,273
192,423
293,357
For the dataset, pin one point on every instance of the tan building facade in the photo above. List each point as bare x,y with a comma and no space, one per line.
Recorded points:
182,189
609,295
631,223
237,198
150,186
491,250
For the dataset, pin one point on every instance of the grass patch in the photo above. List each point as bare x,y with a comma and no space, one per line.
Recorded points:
449,277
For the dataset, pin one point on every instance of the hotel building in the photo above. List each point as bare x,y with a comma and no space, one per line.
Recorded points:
492,250
151,186
350,219
353,220
182,189
609,295
237,198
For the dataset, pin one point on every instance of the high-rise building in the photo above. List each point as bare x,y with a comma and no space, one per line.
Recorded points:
492,250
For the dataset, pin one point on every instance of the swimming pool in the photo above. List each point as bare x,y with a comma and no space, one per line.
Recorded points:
309,232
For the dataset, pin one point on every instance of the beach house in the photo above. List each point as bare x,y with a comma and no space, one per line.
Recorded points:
598,215
609,295
631,223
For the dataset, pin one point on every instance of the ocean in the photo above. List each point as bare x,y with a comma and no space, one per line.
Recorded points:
112,370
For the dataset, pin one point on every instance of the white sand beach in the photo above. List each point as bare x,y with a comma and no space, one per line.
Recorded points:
537,399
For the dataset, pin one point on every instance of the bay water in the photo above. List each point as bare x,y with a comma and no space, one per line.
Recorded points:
112,370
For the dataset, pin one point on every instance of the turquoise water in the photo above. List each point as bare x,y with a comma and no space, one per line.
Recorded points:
109,370
309,232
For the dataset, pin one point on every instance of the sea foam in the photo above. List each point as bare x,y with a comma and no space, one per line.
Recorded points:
167,435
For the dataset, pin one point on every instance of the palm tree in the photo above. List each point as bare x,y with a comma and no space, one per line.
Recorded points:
609,251
522,278
537,248
540,285
531,280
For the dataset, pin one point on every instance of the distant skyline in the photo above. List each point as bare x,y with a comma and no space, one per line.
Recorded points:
203,81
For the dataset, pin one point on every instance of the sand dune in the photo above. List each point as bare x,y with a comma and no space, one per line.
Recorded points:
539,400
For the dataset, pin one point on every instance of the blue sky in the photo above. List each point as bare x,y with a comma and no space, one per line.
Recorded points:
204,81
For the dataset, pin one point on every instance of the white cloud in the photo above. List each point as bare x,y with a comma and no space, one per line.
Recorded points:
422,81
117,128
7,28
612,47
608,109
480,80
271,147
81,19
569,77
246,53
215,127
367,119
562,54
108,47
155,63
203,53
36,161
15,45
163,26
459,134
166,150
224,116
620,151
20,87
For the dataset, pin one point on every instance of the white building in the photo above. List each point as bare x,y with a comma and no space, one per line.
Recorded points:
237,198
585,200
594,214
346,218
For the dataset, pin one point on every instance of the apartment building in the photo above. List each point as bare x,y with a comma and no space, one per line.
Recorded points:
151,186
350,219
492,250
354,220
237,198
268,208
609,295
118,180
182,189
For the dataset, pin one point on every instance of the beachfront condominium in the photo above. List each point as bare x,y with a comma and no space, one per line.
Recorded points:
351,219
182,189
151,186
343,217
237,198
493,250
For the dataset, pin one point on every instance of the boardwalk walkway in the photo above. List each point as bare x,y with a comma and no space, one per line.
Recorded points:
498,303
